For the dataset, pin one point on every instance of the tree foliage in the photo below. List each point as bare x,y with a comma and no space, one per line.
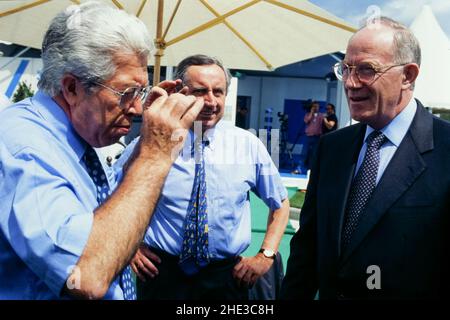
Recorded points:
23,91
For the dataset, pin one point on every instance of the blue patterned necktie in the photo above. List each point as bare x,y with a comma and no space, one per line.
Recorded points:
363,184
194,252
95,170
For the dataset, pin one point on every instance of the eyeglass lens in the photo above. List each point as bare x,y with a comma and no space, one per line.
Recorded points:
364,72
130,94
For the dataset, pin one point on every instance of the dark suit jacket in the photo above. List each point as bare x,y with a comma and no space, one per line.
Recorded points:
403,230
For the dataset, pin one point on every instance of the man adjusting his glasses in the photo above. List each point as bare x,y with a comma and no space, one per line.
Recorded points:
63,233
376,216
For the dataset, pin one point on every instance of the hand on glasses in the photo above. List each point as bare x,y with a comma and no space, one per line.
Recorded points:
145,94
127,96
169,86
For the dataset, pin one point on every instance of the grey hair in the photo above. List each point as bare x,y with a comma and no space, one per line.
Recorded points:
84,40
200,60
406,45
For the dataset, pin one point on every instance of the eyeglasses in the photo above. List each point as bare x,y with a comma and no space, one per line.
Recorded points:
128,95
365,72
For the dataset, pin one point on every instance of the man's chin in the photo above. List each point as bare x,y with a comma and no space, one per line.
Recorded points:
360,111
206,123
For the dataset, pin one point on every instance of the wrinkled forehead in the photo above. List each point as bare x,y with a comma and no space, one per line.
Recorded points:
371,44
211,75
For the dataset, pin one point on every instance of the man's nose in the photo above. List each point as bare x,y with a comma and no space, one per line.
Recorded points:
352,80
135,108
210,99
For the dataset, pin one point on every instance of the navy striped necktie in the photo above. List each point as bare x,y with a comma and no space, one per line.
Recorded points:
97,174
363,185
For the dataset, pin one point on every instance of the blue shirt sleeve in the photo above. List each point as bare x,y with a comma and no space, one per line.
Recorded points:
42,216
268,185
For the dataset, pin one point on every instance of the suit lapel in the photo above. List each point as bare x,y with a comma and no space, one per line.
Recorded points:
404,168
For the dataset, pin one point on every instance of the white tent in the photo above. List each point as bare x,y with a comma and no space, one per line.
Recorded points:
433,83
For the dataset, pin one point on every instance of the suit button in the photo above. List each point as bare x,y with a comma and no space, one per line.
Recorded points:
340,296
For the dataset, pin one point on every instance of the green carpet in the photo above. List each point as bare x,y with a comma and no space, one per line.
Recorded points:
259,224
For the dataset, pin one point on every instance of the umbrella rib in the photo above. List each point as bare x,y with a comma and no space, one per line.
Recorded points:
141,7
311,15
171,19
22,8
117,4
239,35
211,23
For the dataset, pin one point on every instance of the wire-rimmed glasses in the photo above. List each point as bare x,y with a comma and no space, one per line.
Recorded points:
365,72
128,95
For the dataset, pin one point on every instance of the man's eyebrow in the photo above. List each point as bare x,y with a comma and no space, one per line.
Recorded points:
198,87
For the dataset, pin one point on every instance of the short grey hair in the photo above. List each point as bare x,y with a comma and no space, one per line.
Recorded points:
200,60
406,45
83,40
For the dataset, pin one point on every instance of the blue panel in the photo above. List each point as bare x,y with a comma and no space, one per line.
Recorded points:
16,78
295,112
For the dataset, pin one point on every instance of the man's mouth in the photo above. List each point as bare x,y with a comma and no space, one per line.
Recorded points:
124,129
358,99
206,114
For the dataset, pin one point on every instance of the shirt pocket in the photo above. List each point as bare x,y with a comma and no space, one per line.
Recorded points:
229,192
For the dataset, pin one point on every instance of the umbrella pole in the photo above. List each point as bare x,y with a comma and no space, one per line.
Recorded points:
157,67
158,43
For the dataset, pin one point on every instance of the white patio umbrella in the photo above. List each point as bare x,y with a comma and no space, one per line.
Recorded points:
244,34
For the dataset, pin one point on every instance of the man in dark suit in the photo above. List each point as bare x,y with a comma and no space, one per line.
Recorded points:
376,215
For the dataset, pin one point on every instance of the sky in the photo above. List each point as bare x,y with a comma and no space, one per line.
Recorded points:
353,11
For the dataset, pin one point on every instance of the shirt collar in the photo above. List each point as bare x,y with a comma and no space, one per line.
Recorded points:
396,130
210,135
61,125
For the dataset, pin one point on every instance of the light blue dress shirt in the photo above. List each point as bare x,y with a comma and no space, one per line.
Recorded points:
47,200
236,161
395,131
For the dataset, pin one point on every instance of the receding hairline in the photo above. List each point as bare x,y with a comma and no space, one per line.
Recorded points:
200,67
376,32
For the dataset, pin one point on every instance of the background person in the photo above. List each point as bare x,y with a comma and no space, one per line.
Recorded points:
330,121
241,117
313,130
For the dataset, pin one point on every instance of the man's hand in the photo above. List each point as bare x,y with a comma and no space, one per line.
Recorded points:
169,86
248,270
166,121
143,263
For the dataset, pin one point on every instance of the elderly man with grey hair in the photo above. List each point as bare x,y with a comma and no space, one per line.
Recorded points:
63,234
376,215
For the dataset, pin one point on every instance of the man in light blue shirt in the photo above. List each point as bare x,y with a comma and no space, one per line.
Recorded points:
236,162
57,239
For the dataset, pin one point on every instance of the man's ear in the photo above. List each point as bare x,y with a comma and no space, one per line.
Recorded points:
410,73
71,87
